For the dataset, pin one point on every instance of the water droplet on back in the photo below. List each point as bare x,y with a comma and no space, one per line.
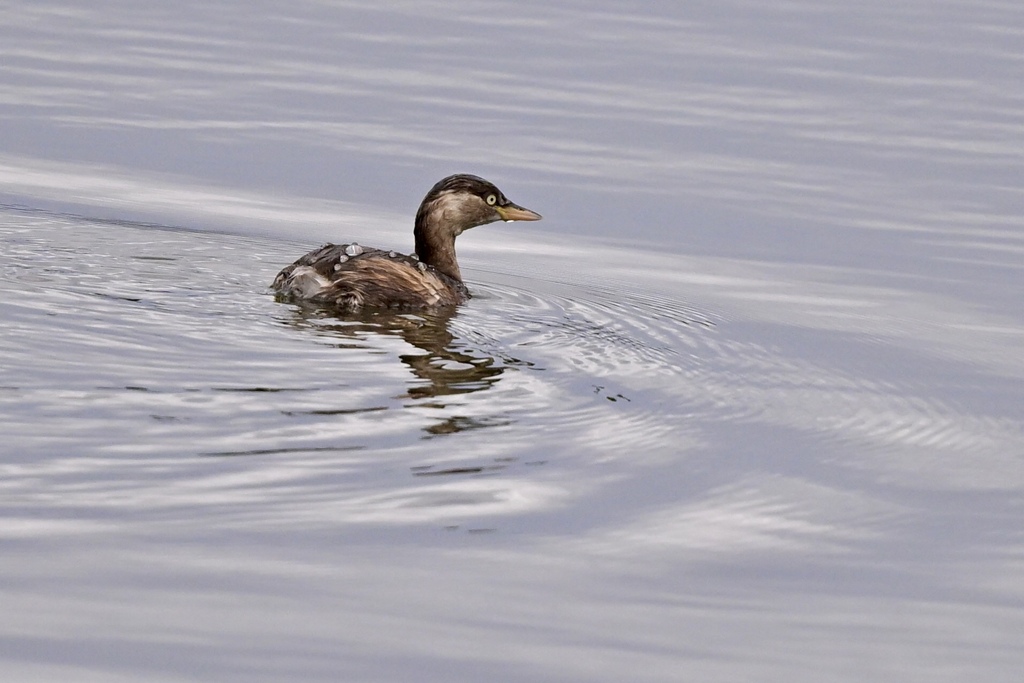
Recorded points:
392,254
353,249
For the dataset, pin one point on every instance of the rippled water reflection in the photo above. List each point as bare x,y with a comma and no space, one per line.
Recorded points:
153,387
744,406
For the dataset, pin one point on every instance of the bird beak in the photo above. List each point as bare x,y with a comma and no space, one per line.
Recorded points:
512,212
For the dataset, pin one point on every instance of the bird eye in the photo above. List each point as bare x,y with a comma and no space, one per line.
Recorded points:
491,200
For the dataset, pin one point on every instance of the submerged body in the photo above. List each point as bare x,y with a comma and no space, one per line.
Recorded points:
351,277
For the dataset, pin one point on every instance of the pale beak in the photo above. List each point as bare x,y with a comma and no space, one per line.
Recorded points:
513,212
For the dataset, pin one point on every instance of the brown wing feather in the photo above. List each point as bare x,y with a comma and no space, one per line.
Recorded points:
329,276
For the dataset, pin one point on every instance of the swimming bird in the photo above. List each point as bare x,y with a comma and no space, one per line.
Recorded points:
352,277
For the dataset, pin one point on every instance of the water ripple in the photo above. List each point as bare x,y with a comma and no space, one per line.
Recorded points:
150,347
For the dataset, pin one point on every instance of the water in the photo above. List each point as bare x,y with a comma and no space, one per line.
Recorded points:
743,406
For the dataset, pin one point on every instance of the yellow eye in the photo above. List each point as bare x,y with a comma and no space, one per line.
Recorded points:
491,200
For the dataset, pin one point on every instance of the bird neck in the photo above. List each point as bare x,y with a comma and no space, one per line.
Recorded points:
435,246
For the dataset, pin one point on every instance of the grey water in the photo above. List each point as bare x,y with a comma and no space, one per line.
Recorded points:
744,406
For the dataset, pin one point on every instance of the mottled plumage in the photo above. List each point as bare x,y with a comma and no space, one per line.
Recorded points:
351,277
372,278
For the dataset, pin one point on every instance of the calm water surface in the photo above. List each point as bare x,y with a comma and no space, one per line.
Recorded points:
744,406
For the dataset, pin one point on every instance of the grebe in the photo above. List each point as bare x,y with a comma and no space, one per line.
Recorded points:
351,277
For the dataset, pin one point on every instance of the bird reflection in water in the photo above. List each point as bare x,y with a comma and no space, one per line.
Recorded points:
445,364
